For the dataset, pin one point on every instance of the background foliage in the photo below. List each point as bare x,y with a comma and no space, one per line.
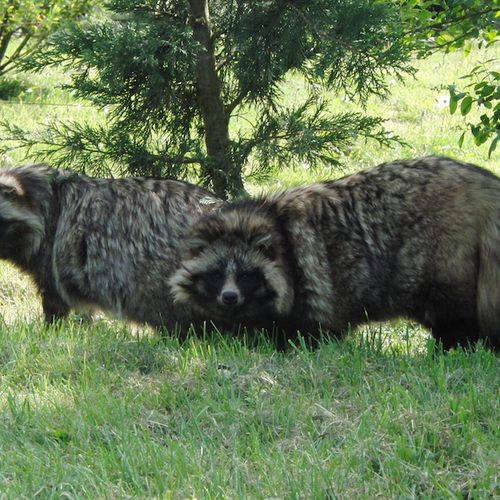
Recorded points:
24,25
195,89
471,25
200,95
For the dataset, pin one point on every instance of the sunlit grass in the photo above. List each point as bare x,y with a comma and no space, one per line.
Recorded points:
99,413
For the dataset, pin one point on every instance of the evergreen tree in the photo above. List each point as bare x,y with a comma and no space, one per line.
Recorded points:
176,73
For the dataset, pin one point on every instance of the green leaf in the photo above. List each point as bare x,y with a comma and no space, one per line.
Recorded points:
487,90
466,105
479,86
461,140
493,145
453,106
480,137
485,120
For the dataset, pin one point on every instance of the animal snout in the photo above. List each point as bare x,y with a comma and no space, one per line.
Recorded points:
230,298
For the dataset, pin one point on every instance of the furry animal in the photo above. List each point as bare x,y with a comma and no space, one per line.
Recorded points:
419,239
105,243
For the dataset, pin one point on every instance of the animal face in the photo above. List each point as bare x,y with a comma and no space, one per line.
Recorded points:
232,284
235,276
22,226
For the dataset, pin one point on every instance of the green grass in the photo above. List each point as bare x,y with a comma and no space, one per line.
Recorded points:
103,411
99,413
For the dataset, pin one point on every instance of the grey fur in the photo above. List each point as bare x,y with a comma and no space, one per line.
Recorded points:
99,243
419,239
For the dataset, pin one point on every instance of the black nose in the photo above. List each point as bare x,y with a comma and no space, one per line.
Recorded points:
230,298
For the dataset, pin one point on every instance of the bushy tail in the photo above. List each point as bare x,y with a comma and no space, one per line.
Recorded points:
488,286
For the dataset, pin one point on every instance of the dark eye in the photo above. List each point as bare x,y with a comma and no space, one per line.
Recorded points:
247,275
216,275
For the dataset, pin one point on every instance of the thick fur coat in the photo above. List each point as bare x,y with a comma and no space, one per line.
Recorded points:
419,239
99,243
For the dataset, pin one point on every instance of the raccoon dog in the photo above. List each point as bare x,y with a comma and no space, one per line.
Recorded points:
419,239
106,243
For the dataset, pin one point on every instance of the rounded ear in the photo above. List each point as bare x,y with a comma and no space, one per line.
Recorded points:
262,242
10,187
8,191
196,245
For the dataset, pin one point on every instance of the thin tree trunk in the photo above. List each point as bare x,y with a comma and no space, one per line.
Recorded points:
216,121
4,43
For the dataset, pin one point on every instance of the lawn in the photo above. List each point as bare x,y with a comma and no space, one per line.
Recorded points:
105,411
